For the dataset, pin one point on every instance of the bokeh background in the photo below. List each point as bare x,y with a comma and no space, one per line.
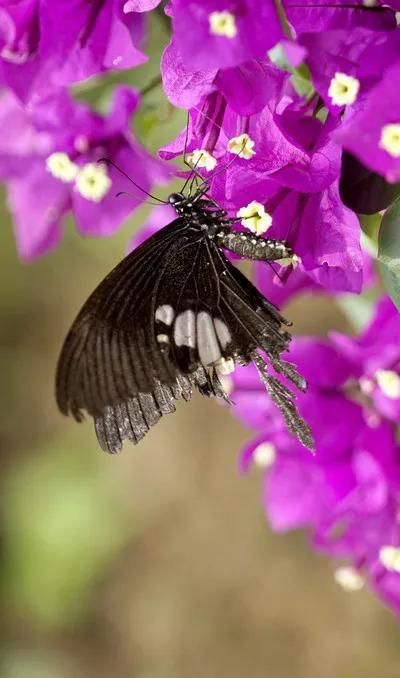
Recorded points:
157,563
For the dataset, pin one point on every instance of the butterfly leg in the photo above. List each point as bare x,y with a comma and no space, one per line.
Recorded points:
254,247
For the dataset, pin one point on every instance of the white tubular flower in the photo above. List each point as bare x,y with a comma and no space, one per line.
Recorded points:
254,217
242,146
389,383
202,158
93,182
390,139
343,89
223,23
61,167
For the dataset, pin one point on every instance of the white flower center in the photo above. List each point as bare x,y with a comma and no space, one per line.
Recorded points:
264,455
343,89
254,217
349,578
389,383
61,167
242,145
390,139
93,182
202,158
223,23
390,558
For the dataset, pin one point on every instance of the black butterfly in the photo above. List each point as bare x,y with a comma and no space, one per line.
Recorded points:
174,315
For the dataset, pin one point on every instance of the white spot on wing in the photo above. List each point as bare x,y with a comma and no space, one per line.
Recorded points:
162,338
207,342
185,329
165,314
225,366
223,333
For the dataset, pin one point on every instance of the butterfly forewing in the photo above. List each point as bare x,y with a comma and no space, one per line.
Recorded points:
111,352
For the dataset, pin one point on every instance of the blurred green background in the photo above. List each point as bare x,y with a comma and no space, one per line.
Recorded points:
157,563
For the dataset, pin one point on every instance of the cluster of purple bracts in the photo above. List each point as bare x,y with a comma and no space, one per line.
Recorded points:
298,104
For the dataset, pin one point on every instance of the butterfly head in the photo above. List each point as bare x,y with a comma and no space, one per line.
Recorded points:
178,201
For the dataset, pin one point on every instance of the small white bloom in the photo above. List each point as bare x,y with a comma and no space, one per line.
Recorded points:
390,558
264,455
390,139
202,158
349,578
93,182
389,383
61,167
223,23
254,217
242,146
343,89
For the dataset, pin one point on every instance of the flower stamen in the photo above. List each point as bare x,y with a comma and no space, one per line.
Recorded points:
389,383
390,139
242,145
93,182
254,217
223,23
343,89
390,558
61,167
202,158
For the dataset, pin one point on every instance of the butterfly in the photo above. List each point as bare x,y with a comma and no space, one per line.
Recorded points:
173,316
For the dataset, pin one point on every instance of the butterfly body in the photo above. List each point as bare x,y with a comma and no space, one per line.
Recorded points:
174,315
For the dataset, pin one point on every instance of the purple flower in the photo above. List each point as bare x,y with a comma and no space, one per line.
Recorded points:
291,165
48,158
345,65
349,492
47,44
323,15
372,134
226,34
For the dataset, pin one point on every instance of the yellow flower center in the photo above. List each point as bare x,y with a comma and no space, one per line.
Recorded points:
390,139
390,558
223,23
93,182
242,145
254,217
389,383
61,167
202,158
343,89
349,578
265,454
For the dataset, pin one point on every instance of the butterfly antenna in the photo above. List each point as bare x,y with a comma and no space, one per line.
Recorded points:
121,171
147,202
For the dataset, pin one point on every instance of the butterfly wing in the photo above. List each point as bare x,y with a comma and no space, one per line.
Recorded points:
111,352
165,320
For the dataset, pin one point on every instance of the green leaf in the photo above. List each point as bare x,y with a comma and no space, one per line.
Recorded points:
301,81
278,58
389,251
